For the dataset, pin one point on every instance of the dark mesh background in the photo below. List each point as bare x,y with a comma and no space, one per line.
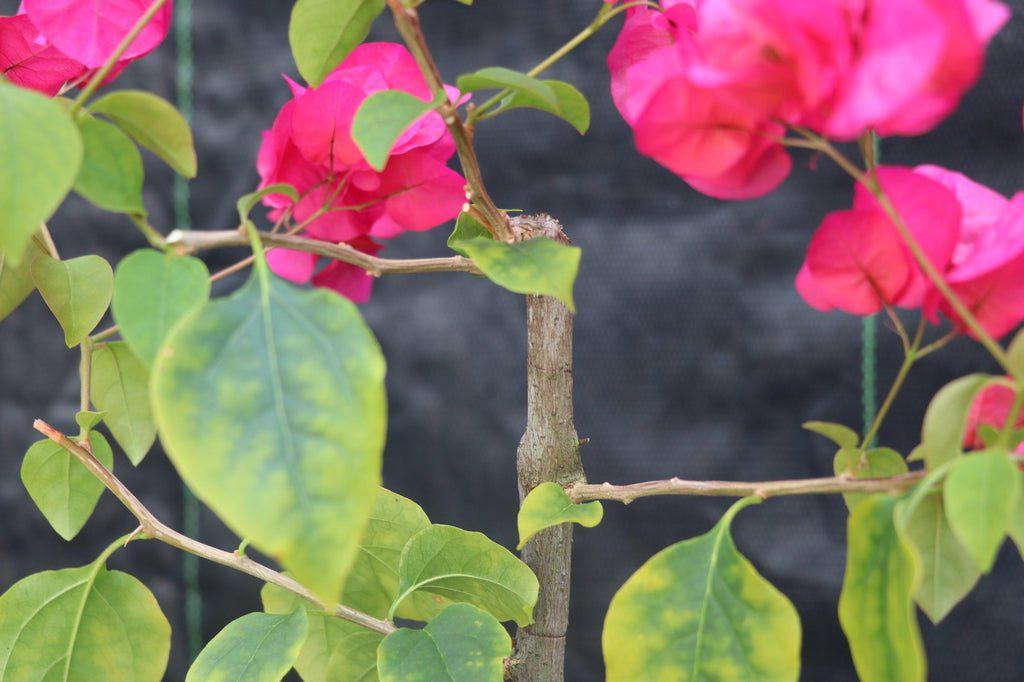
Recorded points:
694,355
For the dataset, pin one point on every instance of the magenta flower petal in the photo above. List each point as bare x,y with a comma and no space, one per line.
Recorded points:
26,59
296,266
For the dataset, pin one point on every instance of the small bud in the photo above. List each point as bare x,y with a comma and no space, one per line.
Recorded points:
465,207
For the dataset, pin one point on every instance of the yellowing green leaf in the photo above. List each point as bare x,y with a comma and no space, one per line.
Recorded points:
153,123
463,644
271,405
875,463
259,647
875,606
120,387
334,649
981,493
570,104
549,505
81,625
111,176
152,292
463,566
77,291
63,489
323,32
16,279
40,152
700,611
380,121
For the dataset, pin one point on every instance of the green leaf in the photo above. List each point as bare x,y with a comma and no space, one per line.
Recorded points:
271,405
334,649
63,489
82,624
945,571
323,32
841,435
380,121
16,279
463,566
466,227
259,647
463,644
372,583
1017,520
497,78
88,420
248,202
40,153
549,505
875,606
570,104
536,266
77,291
945,421
155,124
152,292
120,387
699,610
981,492
111,176
875,463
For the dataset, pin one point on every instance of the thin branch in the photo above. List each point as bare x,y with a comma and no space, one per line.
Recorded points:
586,492
407,22
191,241
157,530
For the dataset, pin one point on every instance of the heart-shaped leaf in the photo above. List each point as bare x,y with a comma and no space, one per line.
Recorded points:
549,505
981,492
155,124
259,647
77,291
120,388
111,175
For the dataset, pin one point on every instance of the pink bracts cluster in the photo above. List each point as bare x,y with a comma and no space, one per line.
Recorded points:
857,261
51,43
310,147
709,86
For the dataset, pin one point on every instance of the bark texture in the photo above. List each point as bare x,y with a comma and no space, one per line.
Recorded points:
548,451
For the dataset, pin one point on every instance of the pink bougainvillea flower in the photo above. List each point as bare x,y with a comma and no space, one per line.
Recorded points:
915,60
992,408
89,31
343,199
858,262
26,59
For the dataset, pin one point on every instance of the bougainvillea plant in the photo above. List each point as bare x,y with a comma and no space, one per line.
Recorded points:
270,402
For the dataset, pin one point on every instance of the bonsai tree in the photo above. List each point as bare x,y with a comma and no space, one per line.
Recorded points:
270,402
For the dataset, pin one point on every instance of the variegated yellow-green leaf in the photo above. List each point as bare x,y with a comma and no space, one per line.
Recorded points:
323,32
875,607
152,292
945,571
874,463
549,505
82,625
259,647
40,153
16,279
271,405
981,493
535,266
700,611
154,123
76,291
372,583
63,489
120,387
463,566
463,644
945,421
334,649
111,176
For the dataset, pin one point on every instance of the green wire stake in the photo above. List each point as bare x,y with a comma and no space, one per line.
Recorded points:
183,220
869,371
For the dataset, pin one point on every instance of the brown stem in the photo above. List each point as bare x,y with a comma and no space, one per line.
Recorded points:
548,451
191,241
154,528
407,21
